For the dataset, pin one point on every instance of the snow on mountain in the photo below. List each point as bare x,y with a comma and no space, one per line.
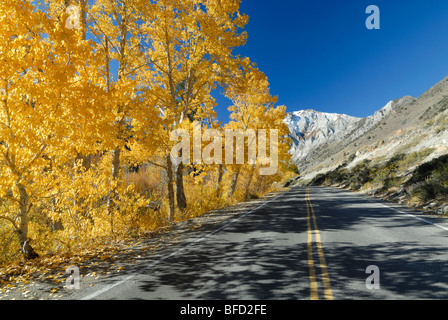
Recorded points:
312,130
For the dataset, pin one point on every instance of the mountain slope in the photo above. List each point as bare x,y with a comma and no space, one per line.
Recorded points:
311,129
323,141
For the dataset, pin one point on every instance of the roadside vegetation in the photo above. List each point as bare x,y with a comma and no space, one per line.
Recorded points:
404,178
90,92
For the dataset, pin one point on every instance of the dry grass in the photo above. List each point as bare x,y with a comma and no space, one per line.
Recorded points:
147,181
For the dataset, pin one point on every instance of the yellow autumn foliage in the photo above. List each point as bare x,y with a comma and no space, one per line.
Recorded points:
86,115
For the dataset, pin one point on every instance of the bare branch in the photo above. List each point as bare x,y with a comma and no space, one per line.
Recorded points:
156,164
12,222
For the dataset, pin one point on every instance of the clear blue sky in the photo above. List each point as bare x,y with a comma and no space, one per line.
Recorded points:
318,54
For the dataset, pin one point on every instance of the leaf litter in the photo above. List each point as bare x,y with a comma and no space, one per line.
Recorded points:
45,278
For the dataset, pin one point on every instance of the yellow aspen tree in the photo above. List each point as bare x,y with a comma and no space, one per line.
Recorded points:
253,109
188,41
45,86
114,23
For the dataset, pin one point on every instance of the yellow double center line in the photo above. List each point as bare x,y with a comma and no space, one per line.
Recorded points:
328,293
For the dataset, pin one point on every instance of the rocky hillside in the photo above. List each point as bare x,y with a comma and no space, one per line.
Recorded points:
400,152
311,130
323,141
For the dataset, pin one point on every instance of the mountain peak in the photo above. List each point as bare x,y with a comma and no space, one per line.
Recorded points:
312,130
323,140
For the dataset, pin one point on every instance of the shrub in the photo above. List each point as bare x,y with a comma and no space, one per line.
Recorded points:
429,181
425,170
410,159
318,180
422,192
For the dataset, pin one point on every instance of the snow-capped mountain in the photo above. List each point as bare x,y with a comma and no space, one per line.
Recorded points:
312,131
326,141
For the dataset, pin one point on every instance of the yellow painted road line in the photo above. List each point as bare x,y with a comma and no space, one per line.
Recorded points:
312,271
328,292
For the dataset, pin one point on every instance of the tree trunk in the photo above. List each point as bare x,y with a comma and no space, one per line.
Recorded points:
86,165
219,180
111,207
234,183
169,171
83,4
87,162
121,125
249,181
22,233
180,192
116,163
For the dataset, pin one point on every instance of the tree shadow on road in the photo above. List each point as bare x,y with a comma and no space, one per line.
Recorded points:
258,257
406,271
264,256
413,267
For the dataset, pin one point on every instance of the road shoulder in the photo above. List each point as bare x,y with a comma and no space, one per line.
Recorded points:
116,261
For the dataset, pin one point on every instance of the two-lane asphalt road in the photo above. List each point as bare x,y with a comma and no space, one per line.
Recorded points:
309,243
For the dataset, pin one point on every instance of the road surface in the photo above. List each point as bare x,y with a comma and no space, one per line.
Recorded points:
308,243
